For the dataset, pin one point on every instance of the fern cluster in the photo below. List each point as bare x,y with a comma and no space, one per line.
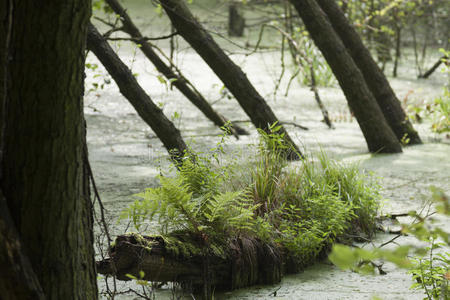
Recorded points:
303,210
193,202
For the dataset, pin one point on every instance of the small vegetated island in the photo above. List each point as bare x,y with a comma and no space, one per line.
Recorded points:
223,227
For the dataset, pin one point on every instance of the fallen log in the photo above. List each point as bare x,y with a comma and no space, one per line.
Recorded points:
244,262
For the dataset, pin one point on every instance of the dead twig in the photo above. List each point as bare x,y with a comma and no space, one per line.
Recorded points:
143,39
282,123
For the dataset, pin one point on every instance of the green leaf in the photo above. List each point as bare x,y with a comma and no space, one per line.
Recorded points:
343,256
161,79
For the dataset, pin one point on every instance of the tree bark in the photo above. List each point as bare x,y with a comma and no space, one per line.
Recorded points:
231,75
398,38
378,134
249,262
17,278
42,167
129,87
374,77
5,30
178,80
236,22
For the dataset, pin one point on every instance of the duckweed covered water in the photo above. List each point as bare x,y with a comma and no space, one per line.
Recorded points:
126,157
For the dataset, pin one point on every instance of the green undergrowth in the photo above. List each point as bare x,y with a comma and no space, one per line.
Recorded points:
300,209
436,111
428,261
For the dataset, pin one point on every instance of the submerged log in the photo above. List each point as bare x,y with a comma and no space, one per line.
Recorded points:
244,262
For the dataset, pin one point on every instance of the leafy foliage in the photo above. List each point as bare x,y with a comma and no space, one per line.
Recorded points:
430,268
322,71
432,273
302,209
317,203
191,201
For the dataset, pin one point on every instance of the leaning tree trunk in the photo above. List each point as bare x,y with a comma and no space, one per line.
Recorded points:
434,67
178,80
42,167
374,77
231,75
129,87
378,134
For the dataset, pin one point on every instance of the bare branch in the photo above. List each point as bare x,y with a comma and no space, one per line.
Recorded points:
143,39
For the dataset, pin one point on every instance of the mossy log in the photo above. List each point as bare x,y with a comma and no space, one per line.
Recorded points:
243,262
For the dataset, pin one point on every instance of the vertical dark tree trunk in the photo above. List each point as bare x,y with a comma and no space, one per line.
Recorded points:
370,16
178,80
416,54
374,77
398,39
236,22
378,134
17,277
129,87
231,75
5,21
42,169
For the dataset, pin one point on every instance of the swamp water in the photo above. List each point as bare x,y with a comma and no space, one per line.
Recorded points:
126,157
